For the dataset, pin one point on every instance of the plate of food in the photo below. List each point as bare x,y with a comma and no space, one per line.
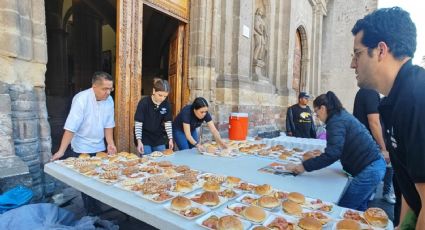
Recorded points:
318,204
280,222
209,199
229,193
219,220
375,217
251,213
318,215
185,208
246,187
269,203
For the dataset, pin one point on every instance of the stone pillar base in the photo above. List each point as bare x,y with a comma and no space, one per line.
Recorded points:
13,172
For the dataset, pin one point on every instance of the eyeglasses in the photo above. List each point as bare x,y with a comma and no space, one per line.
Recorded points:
355,56
107,89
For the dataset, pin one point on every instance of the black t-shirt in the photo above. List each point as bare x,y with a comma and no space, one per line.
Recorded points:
187,116
403,113
303,121
365,103
153,118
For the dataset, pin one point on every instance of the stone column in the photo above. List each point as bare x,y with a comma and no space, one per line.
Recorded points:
7,147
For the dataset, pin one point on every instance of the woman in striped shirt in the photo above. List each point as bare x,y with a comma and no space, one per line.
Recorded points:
153,119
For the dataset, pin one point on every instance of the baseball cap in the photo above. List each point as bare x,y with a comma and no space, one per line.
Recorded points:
303,95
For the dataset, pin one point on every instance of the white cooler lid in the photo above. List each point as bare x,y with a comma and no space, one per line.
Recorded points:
239,114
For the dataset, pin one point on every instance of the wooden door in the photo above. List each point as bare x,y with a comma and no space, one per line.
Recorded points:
175,64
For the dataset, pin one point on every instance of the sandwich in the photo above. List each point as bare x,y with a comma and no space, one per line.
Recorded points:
102,155
264,189
254,213
229,223
84,156
296,197
347,224
183,186
209,198
291,208
268,202
231,180
180,203
308,223
376,217
168,152
211,186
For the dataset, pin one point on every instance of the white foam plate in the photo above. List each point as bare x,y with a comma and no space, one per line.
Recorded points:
194,205
246,224
273,216
308,204
230,211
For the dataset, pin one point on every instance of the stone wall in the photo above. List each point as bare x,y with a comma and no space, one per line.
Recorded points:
338,45
23,58
241,68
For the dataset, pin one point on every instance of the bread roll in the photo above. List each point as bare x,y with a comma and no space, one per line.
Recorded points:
264,189
183,186
308,223
291,208
211,186
347,224
296,197
254,213
268,202
209,198
84,156
233,180
180,203
229,223
376,217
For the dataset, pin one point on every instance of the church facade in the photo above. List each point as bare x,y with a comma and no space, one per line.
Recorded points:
251,56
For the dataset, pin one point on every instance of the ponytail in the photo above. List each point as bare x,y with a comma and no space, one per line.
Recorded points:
161,85
330,101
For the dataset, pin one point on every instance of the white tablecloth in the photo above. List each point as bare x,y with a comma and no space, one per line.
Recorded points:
326,184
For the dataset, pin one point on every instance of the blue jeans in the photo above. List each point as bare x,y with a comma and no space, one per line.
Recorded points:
181,140
361,187
149,149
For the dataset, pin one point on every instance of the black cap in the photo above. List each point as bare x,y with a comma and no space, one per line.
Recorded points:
303,95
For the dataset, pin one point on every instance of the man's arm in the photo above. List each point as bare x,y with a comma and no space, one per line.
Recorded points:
109,136
420,224
66,139
376,130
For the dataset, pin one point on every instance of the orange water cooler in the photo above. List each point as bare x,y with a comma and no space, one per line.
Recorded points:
238,126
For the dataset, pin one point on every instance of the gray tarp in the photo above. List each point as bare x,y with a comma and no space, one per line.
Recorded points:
49,216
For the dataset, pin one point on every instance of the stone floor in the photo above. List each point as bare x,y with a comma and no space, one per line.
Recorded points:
129,223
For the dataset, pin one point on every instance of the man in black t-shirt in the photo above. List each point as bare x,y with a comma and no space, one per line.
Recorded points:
299,119
384,45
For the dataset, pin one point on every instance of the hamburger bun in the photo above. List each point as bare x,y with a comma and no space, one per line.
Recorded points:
180,203
132,156
233,180
84,156
183,186
209,198
376,217
102,155
168,152
264,189
308,223
229,223
211,186
347,224
268,202
260,228
296,197
123,154
114,158
254,213
291,208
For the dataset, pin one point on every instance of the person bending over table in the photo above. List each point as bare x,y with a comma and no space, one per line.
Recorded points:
350,142
191,117
153,118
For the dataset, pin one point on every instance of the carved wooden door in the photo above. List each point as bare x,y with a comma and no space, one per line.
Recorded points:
175,69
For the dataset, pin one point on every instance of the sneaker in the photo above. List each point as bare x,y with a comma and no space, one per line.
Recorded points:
389,198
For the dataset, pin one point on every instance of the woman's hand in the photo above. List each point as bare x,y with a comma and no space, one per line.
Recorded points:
223,145
140,147
171,144
295,168
200,148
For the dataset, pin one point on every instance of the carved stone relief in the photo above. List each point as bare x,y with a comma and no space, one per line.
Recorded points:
261,41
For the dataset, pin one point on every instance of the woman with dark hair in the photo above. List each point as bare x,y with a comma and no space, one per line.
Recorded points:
153,117
350,142
191,117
